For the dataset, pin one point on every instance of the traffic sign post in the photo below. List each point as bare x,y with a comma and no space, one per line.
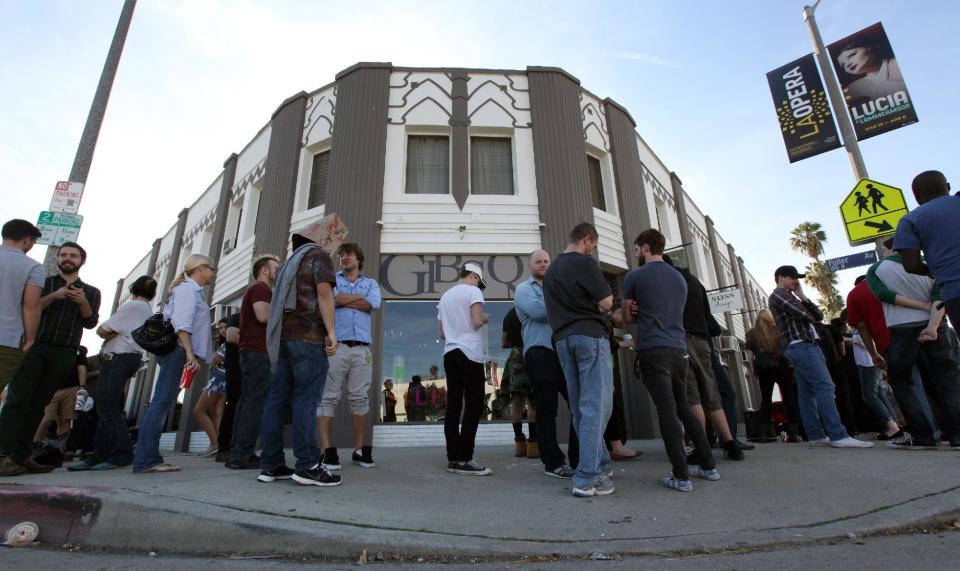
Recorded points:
58,227
66,197
871,211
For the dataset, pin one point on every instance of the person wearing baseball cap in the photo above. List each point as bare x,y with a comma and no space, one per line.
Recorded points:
461,320
795,315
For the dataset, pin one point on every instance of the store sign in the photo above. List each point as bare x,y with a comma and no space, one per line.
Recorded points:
873,86
806,121
66,197
726,300
428,276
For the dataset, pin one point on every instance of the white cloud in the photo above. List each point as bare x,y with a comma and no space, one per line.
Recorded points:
647,58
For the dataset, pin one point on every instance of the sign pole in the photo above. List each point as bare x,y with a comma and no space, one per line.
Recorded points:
91,131
837,100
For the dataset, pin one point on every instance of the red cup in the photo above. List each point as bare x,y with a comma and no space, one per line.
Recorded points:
186,379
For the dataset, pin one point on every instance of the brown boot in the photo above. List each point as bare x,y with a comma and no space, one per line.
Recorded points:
9,467
533,450
520,449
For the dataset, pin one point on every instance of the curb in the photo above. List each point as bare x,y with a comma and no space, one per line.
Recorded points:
119,519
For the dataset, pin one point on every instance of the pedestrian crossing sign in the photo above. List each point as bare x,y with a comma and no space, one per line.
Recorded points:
872,210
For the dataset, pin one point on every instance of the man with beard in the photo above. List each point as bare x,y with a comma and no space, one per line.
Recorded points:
69,306
254,363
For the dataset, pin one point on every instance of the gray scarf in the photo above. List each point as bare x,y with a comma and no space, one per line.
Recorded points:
285,289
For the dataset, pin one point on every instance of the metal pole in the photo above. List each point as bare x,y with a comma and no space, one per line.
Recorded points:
837,101
835,94
91,131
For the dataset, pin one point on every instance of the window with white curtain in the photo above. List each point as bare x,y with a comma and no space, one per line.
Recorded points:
318,179
428,164
491,166
596,183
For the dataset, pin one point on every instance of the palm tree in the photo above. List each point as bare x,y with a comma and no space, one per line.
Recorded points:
821,278
808,237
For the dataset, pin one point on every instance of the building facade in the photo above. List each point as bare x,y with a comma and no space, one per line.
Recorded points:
430,168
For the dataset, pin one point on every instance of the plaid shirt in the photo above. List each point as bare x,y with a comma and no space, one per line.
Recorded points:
61,323
795,318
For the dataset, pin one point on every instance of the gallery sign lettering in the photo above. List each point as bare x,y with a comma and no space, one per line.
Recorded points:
428,276
726,300
806,120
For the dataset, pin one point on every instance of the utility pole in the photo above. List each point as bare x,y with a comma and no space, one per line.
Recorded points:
91,131
837,100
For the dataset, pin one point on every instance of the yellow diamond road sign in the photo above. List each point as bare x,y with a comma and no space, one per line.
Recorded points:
871,211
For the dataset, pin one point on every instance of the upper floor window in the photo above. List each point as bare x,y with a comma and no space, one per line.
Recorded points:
596,183
491,166
428,164
318,179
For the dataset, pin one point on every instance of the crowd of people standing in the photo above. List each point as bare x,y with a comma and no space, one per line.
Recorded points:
304,333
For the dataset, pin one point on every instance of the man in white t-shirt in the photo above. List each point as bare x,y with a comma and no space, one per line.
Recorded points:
461,320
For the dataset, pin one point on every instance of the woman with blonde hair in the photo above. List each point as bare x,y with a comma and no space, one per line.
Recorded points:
771,367
189,314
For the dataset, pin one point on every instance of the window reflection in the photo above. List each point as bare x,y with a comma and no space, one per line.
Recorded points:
411,346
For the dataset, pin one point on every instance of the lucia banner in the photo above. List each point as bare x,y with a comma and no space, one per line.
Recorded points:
806,120
873,86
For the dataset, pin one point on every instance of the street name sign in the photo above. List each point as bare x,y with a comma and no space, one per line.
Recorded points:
852,261
871,211
726,300
66,197
58,227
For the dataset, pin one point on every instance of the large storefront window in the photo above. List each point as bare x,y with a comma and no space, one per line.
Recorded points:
411,346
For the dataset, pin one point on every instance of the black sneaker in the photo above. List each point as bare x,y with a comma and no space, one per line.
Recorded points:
330,459
364,457
316,476
452,466
251,463
471,468
561,471
732,451
910,443
281,472
744,446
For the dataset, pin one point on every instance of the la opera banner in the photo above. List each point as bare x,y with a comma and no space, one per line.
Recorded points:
873,86
806,120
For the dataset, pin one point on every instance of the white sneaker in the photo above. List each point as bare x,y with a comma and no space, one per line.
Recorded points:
849,442
821,442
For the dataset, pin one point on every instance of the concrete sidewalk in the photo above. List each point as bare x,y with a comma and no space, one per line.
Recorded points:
410,505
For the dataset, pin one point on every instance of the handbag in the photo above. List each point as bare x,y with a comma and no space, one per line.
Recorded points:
156,335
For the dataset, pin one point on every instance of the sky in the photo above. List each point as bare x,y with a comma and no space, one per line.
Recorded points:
199,78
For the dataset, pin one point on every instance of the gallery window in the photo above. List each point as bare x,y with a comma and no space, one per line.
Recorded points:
428,164
491,166
411,346
318,180
596,183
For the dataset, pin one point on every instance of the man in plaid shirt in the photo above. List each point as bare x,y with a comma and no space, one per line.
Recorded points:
795,316
69,306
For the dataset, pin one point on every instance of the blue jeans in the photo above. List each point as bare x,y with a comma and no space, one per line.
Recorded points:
147,452
817,401
112,439
255,374
588,370
298,377
871,388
